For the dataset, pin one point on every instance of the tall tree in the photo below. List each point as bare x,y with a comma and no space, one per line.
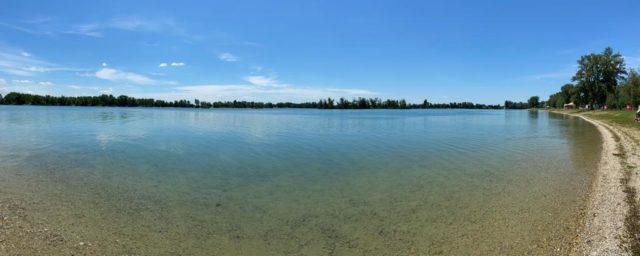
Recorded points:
533,102
629,92
566,92
599,74
425,103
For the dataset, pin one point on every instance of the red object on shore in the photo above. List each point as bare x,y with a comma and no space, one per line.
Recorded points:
628,107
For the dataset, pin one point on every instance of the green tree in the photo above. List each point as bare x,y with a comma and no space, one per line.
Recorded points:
533,102
598,76
566,91
629,91
330,103
403,104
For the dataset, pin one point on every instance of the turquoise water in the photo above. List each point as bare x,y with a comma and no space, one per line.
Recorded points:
301,182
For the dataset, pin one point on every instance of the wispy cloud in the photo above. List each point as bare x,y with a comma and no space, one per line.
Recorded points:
31,82
228,92
140,23
91,30
260,88
22,81
3,82
98,28
361,92
77,87
228,57
164,25
106,91
122,76
16,62
264,81
38,20
26,29
85,88
172,64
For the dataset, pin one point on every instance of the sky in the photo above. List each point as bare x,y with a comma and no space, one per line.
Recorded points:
443,51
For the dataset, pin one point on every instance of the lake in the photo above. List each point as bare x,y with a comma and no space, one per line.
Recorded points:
151,181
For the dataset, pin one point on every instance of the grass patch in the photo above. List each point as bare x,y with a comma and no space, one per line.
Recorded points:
619,117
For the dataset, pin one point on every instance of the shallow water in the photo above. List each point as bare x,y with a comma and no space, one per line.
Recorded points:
301,182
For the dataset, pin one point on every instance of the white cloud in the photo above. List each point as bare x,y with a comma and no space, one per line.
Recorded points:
225,56
78,87
99,28
351,91
252,92
129,23
30,82
104,64
26,29
117,75
261,89
136,23
3,82
23,81
257,68
106,91
173,64
264,81
91,30
25,54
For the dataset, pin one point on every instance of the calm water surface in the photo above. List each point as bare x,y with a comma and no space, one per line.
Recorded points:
301,182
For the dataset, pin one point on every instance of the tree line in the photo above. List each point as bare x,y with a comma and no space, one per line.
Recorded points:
602,79
377,103
15,98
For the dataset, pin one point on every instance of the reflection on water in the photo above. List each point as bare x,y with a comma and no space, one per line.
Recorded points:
303,182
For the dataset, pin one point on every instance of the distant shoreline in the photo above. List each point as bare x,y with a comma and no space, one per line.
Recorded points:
610,225
14,98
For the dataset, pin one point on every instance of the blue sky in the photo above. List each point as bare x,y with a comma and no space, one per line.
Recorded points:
480,51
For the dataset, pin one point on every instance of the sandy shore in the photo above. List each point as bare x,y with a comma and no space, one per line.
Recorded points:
610,215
